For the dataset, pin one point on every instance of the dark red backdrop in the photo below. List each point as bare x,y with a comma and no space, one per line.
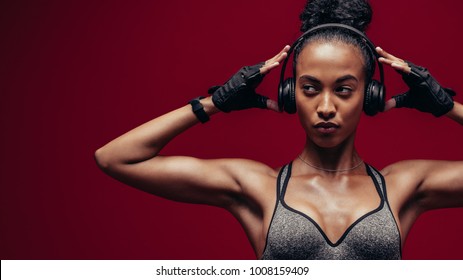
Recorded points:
75,74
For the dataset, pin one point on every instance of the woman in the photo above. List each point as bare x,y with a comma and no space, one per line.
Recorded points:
327,203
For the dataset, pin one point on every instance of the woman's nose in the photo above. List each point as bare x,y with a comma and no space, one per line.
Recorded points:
326,108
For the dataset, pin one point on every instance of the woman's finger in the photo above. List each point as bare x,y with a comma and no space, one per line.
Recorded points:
280,56
274,61
397,63
401,67
387,55
273,105
391,103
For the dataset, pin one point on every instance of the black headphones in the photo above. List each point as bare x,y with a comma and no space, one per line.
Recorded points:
375,91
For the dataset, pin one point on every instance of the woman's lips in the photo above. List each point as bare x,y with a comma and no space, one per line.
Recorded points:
326,127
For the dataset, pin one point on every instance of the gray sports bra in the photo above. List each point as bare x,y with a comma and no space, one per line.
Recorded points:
294,235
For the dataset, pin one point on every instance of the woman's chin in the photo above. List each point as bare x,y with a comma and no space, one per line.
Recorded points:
328,142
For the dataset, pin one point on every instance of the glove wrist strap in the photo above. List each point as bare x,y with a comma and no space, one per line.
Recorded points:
198,109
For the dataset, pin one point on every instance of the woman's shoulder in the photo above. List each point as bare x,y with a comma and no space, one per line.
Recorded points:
408,168
254,177
403,177
248,172
248,166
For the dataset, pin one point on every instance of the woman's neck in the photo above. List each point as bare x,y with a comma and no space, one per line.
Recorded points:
335,160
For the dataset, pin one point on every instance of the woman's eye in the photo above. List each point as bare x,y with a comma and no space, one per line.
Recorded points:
309,89
344,90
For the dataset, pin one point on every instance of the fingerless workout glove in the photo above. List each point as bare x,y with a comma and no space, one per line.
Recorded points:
425,93
238,93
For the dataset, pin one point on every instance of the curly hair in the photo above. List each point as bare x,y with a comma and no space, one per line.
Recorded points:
355,13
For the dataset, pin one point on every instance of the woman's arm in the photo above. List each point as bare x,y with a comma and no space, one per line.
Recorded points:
433,184
425,93
416,186
456,113
442,185
428,184
134,159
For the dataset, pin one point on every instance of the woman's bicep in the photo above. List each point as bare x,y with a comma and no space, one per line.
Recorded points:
442,185
181,178
421,185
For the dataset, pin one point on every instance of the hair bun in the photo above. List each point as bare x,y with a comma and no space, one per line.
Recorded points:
355,13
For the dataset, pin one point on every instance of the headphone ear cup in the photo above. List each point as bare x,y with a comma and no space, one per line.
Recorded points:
374,100
289,96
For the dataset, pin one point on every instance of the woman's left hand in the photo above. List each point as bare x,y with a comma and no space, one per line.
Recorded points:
398,64
425,94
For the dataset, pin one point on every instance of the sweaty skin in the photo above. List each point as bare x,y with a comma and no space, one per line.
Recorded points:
329,93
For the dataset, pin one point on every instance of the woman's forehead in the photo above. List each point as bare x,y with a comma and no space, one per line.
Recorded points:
330,50
330,56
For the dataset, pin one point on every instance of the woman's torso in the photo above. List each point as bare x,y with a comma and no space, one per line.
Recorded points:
334,219
297,232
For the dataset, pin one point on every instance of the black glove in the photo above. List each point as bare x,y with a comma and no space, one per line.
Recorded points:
238,92
425,93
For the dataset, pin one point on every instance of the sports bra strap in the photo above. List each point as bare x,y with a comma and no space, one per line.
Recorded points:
379,180
283,178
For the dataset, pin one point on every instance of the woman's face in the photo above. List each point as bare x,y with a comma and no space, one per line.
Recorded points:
330,82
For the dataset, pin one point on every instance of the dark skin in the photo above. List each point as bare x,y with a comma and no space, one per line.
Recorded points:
330,81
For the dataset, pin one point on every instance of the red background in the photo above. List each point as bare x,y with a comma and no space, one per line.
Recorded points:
76,74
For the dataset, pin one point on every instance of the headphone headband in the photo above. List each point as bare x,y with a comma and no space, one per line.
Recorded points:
306,34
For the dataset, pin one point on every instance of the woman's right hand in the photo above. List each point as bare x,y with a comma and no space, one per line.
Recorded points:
238,93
